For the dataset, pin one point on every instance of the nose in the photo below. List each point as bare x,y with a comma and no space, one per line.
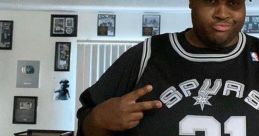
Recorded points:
221,12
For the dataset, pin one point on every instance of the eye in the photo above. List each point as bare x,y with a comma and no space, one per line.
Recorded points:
236,3
210,1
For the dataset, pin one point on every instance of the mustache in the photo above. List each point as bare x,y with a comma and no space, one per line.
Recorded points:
225,21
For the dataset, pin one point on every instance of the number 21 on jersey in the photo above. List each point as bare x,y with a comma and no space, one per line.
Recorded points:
234,126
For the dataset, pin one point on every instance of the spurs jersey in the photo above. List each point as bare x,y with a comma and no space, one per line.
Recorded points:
205,92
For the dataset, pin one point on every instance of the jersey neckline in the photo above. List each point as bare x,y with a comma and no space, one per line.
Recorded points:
207,57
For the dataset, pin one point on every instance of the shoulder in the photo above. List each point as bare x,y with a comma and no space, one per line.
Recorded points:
159,42
136,49
162,38
252,41
154,42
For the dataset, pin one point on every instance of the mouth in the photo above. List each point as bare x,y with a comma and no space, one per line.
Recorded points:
222,27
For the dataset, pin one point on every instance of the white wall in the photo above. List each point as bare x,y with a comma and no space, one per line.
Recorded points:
32,41
129,24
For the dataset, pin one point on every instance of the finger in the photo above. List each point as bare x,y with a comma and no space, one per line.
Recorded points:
136,94
132,124
136,116
147,105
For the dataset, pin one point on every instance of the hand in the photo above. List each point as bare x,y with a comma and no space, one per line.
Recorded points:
122,113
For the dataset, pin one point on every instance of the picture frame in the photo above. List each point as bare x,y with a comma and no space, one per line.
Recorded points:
27,75
150,25
6,34
106,24
63,25
251,24
62,56
25,110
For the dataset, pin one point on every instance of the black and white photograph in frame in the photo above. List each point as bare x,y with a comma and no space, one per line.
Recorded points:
63,25
6,34
251,24
63,92
62,56
25,110
106,25
151,25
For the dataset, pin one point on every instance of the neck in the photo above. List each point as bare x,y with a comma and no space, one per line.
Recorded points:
195,41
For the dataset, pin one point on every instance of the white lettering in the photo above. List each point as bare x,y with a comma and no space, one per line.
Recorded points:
235,87
253,99
187,86
170,97
205,88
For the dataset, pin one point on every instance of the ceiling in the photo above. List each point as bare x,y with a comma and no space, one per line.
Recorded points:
75,5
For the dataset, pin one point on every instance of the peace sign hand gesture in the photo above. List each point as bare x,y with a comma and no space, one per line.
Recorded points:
122,113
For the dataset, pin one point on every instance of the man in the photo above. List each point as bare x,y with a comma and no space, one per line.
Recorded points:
202,81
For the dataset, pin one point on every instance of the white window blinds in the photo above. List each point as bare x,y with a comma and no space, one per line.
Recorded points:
97,56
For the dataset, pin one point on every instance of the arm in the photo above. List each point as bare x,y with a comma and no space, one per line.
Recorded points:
90,129
118,80
57,91
87,125
119,113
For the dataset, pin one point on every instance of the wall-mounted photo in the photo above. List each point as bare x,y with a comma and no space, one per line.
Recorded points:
28,74
6,34
106,25
150,25
251,24
62,93
25,110
62,56
63,25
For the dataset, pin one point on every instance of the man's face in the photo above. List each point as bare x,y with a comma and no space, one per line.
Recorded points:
217,22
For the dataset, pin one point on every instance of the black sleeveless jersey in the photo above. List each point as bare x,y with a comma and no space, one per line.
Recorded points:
204,92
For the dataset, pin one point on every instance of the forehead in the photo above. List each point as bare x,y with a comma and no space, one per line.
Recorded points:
227,2
223,0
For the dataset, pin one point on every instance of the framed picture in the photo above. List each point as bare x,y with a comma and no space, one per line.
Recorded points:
6,34
25,110
251,24
106,25
63,25
150,25
62,56
27,75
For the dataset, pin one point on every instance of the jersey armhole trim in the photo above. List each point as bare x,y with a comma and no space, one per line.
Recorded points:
146,54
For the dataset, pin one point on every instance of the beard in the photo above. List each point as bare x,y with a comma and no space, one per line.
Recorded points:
216,43
210,38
